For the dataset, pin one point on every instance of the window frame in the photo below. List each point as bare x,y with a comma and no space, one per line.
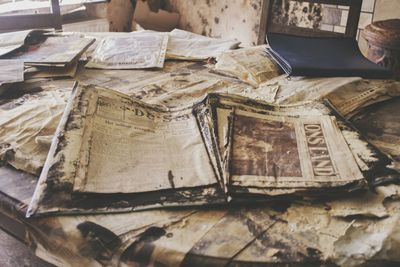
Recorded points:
32,21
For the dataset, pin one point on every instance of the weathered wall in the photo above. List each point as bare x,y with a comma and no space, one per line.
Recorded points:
119,15
241,19
238,19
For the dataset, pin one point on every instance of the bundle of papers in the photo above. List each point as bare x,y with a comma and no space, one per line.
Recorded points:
268,151
113,153
45,54
250,65
56,55
55,51
12,71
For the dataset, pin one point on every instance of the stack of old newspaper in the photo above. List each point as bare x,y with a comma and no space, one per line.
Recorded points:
113,153
12,71
40,54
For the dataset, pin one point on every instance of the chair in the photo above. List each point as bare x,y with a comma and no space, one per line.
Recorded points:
317,38
34,21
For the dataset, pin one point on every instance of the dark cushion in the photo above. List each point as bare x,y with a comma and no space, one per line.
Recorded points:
322,57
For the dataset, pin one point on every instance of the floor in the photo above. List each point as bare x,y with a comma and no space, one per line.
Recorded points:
14,253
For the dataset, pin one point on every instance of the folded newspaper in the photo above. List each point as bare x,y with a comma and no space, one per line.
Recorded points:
250,65
112,153
33,72
372,110
51,50
130,51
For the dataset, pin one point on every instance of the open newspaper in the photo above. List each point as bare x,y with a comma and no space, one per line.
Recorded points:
112,153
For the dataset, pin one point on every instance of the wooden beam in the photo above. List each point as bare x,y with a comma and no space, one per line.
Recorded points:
353,18
55,10
265,6
19,22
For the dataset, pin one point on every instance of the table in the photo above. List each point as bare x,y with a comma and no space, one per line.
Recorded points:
360,227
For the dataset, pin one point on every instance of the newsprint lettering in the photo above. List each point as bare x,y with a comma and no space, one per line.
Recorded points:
319,153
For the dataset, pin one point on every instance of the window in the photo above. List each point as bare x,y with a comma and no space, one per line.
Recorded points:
26,14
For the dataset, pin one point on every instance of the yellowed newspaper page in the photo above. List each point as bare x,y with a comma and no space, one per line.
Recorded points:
133,51
132,147
373,110
189,46
349,101
132,155
284,152
250,65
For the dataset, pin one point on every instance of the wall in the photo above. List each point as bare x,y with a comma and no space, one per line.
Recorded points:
240,19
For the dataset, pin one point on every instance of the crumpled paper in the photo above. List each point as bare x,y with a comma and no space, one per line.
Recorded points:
369,240
27,126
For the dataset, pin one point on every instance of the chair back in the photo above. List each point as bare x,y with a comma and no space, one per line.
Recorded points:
319,18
